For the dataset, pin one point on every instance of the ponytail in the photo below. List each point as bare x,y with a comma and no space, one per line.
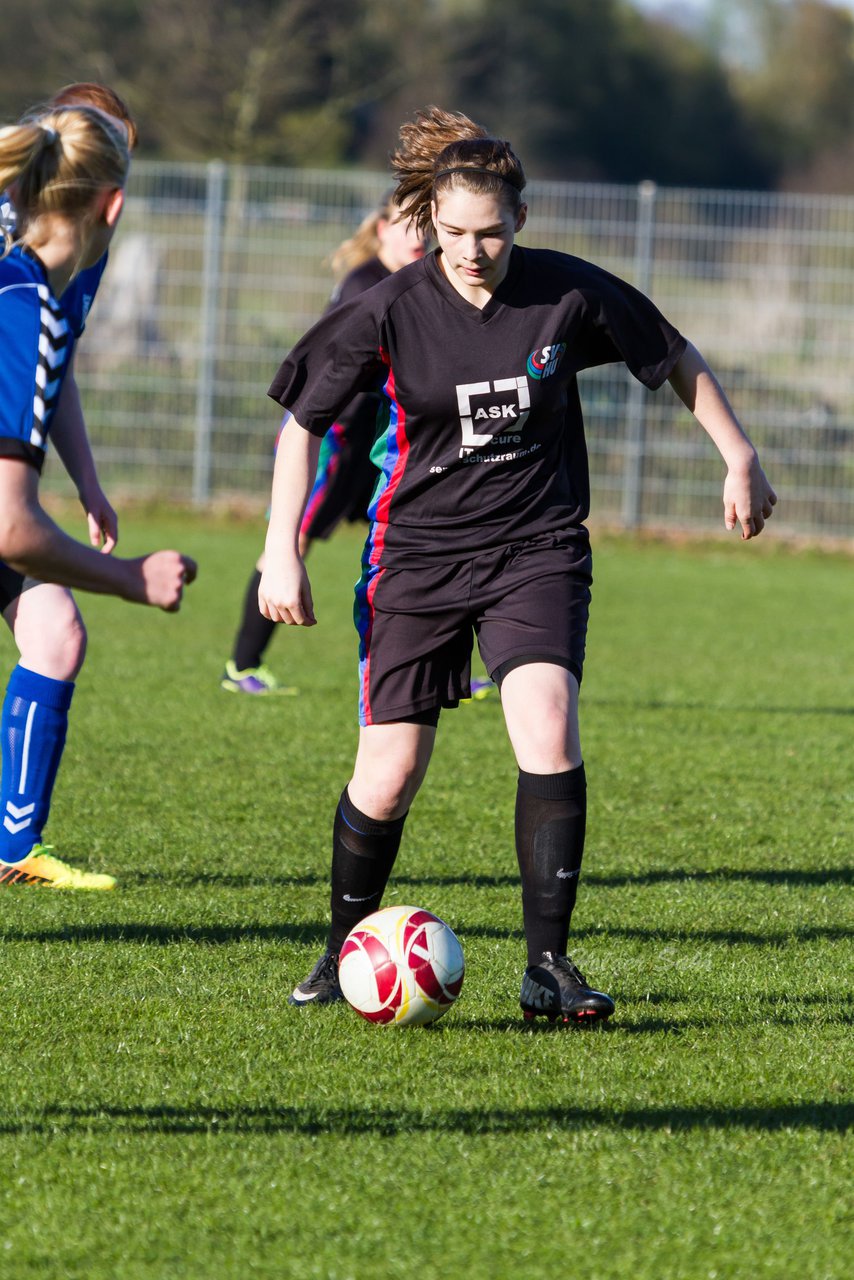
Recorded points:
59,161
445,150
25,149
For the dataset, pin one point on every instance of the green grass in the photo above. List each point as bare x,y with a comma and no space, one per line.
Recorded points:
166,1115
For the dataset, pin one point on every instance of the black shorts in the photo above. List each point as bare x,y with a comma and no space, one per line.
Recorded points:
525,603
12,585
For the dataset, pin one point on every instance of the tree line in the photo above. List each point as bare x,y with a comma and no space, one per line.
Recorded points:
761,95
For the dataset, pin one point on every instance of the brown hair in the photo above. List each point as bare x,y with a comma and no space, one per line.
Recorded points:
60,161
445,150
88,93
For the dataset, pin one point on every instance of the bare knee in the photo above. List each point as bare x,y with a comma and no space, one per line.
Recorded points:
385,795
540,703
390,767
71,648
51,640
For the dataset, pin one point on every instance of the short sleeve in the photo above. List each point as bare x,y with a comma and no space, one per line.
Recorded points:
338,357
20,326
624,325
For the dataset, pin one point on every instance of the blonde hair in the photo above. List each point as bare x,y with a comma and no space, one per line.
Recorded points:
364,243
445,150
60,161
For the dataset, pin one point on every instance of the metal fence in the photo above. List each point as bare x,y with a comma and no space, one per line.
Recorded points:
217,270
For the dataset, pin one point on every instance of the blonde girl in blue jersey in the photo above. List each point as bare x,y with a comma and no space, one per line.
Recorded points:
65,172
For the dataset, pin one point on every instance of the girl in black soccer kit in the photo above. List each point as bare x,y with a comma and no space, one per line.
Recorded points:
478,519
382,244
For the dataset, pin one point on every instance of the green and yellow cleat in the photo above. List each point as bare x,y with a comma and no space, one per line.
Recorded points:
480,689
254,680
41,868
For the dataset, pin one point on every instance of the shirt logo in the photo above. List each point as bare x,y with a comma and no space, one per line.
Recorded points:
543,362
502,406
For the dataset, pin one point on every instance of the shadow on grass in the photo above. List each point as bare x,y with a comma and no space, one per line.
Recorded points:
745,1017
155,935
710,708
314,934
754,1010
725,937
312,1120
772,876
829,875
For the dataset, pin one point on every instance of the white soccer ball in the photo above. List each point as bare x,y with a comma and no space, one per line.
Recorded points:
401,965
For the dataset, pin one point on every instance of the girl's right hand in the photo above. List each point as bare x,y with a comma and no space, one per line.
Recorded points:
284,594
161,577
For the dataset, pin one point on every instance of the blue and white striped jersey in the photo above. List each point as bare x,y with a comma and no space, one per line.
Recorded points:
35,346
77,298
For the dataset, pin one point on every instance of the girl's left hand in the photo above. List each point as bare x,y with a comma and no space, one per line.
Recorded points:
102,520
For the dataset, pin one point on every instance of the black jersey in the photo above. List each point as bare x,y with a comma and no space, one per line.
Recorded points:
481,441
358,419
358,280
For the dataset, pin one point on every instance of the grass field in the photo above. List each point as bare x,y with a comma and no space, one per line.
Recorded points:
167,1115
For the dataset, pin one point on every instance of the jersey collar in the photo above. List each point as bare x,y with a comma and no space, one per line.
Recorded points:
482,315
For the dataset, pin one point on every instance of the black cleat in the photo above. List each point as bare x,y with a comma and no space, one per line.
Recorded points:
321,985
554,988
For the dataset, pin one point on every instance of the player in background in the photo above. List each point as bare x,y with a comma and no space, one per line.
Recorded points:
381,245
478,521
65,171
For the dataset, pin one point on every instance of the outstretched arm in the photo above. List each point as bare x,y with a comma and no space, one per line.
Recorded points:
71,441
31,543
748,497
285,591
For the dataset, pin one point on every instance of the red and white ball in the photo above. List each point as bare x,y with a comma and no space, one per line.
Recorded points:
401,965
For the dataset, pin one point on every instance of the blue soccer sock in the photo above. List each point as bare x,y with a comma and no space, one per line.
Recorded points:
33,727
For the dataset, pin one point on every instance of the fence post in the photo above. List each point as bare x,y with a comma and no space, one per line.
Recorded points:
205,393
636,403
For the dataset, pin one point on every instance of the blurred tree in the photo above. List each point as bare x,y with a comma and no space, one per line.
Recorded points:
584,90
800,93
601,92
265,81
48,45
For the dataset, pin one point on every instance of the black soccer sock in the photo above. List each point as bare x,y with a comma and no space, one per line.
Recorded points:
255,630
363,854
551,811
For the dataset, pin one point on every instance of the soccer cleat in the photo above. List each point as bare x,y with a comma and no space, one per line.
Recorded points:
255,680
40,867
480,689
555,988
321,985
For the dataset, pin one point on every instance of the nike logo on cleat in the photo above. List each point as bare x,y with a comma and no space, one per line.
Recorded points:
347,898
566,875
538,997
